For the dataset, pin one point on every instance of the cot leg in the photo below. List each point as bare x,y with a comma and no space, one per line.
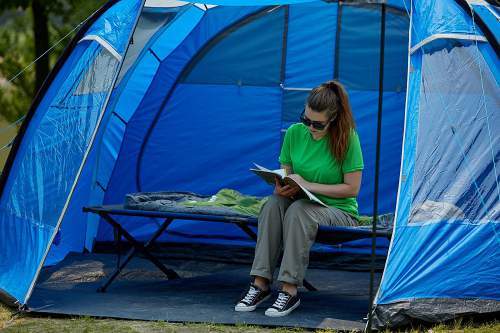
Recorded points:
117,271
137,246
309,286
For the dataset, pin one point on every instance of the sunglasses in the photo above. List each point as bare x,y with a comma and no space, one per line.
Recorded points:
318,125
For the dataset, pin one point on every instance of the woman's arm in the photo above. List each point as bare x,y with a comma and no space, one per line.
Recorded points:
350,187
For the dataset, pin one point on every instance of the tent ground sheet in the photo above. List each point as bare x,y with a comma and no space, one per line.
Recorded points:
206,293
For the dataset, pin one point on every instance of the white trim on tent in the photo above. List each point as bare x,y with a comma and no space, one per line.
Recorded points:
484,4
175,3
294,88
476,2
494,13
104,43
447,36
165,4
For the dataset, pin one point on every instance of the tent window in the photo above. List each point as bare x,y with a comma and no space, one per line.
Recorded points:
456,166
98,76
150,22
250,54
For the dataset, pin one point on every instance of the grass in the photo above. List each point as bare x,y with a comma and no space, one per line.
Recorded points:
12,322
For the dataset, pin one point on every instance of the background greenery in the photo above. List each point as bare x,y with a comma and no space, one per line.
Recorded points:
27,29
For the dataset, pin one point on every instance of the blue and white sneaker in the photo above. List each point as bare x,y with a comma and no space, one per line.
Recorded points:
284,304
252,298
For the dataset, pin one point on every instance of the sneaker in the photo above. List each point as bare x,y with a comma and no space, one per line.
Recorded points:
284,304
253,297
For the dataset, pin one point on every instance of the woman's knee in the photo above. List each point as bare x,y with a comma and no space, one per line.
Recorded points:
272,210
296,214
300,216
275,203
296,209
278,200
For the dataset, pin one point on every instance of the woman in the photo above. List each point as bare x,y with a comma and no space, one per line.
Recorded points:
323,154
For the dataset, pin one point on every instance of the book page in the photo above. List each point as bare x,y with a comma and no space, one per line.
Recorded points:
278,172
268,175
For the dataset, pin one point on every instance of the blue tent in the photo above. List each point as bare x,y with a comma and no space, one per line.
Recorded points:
161,95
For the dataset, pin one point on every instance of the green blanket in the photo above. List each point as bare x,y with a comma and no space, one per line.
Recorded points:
243,204
249,205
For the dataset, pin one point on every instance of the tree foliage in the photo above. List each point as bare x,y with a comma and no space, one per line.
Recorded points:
17,48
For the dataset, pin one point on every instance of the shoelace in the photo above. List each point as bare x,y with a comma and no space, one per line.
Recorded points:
250,296
281,300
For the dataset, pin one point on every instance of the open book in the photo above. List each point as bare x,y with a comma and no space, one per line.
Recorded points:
270,175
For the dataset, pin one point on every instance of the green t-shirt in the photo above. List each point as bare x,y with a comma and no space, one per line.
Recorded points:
313,160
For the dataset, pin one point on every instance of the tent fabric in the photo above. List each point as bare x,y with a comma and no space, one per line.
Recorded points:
309,52
127,95
366,108
73,227
488,15
31,211
449,190
204,91
438,17
51,153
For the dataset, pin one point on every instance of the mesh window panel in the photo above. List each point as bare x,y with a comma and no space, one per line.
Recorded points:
55,152
150,22
458,144
96,79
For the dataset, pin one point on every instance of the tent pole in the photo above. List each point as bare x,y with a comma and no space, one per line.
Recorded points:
336,55
284,45
377,166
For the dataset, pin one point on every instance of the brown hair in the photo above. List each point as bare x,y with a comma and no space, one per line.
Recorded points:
331,97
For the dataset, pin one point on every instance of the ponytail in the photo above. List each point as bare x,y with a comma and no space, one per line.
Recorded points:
331,97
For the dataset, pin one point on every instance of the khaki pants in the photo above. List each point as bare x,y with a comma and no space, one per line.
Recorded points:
291,225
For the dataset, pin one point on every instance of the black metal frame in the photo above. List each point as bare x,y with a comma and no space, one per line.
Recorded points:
139,247
336,55
284,44
377,165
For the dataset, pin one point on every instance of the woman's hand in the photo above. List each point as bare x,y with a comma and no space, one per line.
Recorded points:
299,180
285,191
